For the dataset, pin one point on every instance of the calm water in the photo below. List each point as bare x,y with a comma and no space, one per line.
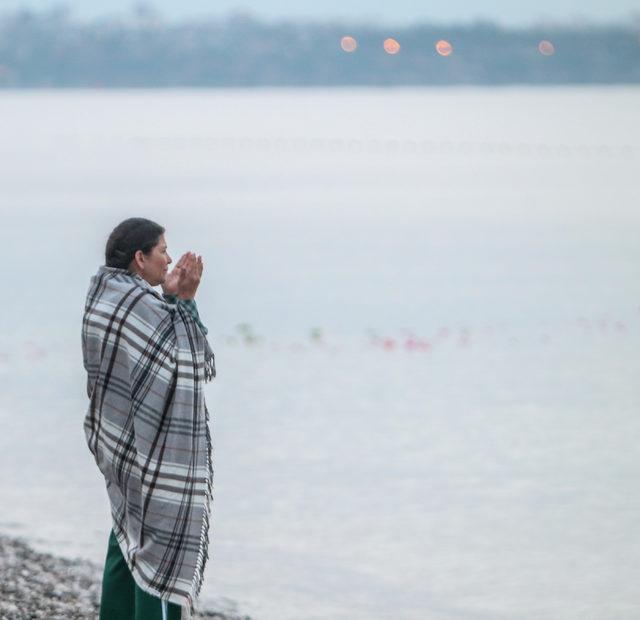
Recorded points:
460,442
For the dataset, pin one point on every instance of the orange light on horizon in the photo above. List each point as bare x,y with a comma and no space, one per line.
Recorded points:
546,48
444,48
391,46
348,44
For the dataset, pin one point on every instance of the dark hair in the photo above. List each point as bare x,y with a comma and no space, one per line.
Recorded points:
136,233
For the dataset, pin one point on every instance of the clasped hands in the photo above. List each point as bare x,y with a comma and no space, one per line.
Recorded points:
184,278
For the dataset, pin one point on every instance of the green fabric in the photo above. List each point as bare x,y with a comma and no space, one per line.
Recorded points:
122,599
190,305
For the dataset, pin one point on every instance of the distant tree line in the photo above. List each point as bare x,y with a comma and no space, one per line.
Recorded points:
51,49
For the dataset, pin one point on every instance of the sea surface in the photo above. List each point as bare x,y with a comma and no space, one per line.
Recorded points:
425,308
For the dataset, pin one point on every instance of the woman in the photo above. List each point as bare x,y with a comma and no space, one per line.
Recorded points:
147,359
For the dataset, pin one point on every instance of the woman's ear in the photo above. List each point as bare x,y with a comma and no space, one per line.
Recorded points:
138,259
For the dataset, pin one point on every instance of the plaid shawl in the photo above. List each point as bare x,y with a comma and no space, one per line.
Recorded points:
147,428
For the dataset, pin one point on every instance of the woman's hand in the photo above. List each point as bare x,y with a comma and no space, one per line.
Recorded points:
170,284
190,274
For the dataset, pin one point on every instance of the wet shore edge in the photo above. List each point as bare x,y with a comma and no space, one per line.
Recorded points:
42,585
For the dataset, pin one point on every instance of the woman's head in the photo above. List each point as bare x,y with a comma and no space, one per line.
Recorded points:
138,244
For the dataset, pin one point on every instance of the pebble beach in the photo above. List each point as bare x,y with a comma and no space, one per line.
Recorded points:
41,585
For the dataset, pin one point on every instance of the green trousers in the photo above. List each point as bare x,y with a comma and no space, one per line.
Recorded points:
122,599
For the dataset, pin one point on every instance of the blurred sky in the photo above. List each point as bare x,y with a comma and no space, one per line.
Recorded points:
506,12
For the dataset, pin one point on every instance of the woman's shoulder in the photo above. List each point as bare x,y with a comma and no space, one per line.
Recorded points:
127,293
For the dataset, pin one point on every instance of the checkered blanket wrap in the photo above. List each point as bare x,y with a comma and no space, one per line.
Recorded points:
147,428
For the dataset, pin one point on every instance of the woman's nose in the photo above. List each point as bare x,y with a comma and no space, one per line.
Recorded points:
169,260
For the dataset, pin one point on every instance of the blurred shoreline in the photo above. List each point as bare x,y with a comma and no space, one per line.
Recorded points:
54,49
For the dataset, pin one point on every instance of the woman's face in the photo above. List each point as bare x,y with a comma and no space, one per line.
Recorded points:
153,267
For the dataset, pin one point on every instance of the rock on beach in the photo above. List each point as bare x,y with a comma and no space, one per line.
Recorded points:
40,585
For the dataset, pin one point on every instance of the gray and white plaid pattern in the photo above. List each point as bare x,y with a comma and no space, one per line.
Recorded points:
147,428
